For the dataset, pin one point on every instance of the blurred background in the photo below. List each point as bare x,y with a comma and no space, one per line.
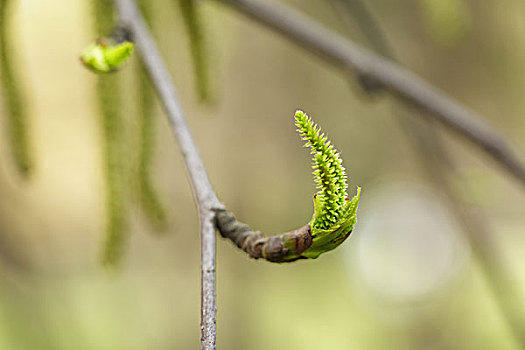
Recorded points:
409,277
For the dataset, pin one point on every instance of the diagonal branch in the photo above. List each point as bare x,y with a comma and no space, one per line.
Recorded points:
440,166
312,36
205,196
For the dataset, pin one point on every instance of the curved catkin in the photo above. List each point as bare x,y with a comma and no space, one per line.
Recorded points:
334,213
329,173
149,198
110,104
14,104
194,28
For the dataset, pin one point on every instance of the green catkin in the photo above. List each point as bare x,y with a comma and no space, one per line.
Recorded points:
110,104
334,216
194,28
149,198
13,99
109,101
329,173
334,213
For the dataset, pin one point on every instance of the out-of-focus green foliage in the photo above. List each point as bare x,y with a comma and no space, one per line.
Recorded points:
15,109
448,21
111,113
149,197
197,41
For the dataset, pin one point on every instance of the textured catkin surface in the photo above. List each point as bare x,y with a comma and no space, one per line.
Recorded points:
329,173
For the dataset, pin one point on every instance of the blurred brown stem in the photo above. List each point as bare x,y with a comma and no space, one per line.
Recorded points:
340,52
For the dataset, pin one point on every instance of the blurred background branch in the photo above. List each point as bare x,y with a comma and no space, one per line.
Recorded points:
329,45
440,167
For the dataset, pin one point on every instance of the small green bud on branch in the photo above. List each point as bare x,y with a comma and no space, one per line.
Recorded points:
106,55
334,213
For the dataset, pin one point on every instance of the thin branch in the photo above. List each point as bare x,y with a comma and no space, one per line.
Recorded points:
440,166
286,247
205,196
312,36
338,51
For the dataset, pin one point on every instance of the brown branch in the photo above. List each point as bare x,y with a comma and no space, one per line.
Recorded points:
312,36
286,247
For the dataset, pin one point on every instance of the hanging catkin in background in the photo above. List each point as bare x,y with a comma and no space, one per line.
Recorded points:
110,105
13,101
149,198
